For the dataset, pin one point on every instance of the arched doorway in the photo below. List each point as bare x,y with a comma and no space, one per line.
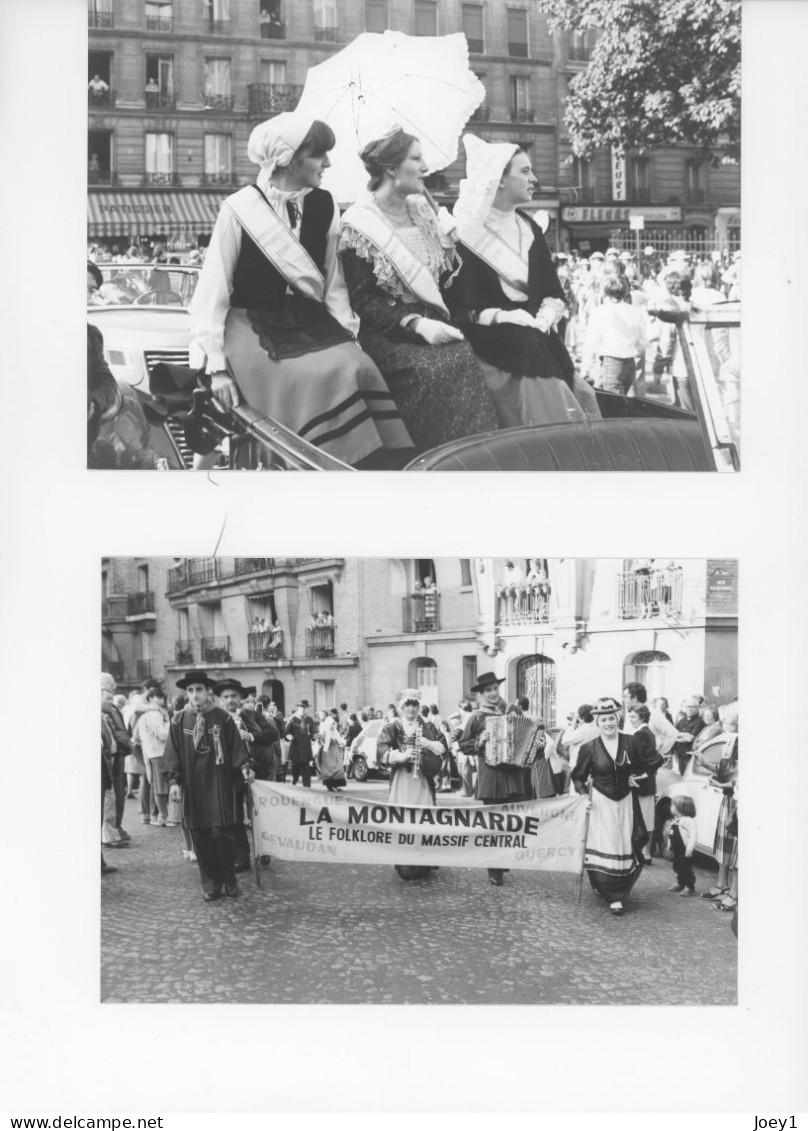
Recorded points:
535,679
423,674
274,689
651,669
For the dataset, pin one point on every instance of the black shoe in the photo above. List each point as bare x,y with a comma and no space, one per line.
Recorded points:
495,877
211,896
233,890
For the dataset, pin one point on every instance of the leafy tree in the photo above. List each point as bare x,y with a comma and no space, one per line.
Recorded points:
660,72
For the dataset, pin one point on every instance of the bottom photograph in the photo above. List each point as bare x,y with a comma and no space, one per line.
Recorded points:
505,780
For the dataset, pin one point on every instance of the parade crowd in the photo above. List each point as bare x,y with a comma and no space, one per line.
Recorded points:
465,321
190,764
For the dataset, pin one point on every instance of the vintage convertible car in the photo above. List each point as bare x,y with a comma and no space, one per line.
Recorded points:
142,313
698,783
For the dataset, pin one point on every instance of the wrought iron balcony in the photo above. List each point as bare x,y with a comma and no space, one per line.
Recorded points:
184,652
114,608
523,604
523,115
177,577
215,649
323,34
421,612
481,114
581,194
219,27
143,669
159,23
138,604
265,645
101,177
219,178
203,570
160,100
272,98
320,642
272,30
161,179
100,19
218,101
252,565
652,593
100,99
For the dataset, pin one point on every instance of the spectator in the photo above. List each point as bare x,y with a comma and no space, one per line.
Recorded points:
114,835
582,729
683,844
712,727
617,334
151,732
646,761
689,727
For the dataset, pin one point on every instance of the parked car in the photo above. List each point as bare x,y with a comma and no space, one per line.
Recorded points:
696,782
142,313
362,757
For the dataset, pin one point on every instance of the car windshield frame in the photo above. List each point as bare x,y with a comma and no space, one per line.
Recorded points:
127,284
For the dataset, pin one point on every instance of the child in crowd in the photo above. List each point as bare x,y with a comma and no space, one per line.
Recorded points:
683,844
617,333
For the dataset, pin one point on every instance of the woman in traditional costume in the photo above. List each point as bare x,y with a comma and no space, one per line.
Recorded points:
413,749
398,253
613,857
724,891
271,311
330,760
507,297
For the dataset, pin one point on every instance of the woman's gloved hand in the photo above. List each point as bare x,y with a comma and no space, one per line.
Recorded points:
436,333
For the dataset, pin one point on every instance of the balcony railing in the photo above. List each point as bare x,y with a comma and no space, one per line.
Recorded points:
100,99
272,98
219,27
320,642
159,23
481,114
421,612
100,19
219,178
161,179
143,669
218,101
639,195
101,177
523,604
272,30
651,593
115,607
115,668
184,652
324,34
215,649
265,645
177,577
252,565
202,570
160,100
137,604
523,115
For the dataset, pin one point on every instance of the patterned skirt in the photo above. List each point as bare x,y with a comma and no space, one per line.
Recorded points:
334,397
613,860
439,390
726,843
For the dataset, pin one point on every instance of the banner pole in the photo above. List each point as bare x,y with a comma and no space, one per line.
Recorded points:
586,834
253,813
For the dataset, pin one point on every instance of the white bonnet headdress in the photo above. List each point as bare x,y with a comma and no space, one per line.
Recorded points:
485,164
274,143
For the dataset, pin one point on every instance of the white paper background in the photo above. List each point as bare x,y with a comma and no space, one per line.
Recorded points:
61,1050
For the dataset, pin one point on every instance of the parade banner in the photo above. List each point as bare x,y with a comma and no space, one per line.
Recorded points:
290,823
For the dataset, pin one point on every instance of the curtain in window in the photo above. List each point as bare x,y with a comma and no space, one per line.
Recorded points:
217,153
217,77
273,73
159,153
426,17
325,13
165,75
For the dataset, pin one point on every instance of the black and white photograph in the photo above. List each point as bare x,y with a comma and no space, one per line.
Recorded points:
329,753
424,236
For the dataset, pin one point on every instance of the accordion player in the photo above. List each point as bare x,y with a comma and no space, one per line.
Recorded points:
512,740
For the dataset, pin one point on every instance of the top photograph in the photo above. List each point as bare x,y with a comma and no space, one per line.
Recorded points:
413,235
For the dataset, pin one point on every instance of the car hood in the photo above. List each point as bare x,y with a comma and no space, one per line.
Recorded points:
138,326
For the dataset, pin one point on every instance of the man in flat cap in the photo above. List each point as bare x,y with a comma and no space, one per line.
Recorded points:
205,756
496,785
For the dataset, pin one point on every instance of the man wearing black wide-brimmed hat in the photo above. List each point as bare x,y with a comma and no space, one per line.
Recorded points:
205,755
496,785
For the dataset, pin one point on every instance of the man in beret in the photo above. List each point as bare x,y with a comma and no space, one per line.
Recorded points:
205,756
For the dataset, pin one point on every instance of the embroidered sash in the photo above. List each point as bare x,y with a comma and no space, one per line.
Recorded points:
280,245
494,251
413,274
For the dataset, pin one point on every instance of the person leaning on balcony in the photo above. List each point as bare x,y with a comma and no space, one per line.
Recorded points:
97,88
271,312
507,297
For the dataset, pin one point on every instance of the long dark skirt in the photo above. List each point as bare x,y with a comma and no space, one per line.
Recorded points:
439,390
613,858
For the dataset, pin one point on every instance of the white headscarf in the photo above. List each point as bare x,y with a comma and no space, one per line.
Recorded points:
485,164
274,143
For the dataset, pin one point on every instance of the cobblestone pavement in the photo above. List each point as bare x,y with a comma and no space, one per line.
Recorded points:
331,933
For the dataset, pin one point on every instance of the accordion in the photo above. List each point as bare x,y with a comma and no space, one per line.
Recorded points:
511,740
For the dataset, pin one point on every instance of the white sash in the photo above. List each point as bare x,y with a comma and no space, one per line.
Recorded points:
413,274
494,251
280,245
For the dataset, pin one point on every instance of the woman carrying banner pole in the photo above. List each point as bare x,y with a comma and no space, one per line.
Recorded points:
271,312
616,834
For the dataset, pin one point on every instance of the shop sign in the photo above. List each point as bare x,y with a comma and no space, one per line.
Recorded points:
620,214
618,174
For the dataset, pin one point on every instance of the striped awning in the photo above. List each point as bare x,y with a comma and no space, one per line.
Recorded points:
152,213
